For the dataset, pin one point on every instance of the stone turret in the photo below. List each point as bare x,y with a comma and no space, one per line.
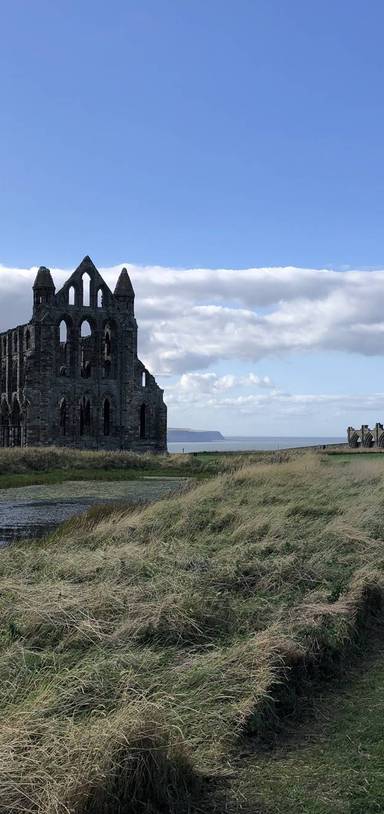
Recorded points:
124,292
43,287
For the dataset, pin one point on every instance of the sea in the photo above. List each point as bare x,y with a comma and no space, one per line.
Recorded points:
242,444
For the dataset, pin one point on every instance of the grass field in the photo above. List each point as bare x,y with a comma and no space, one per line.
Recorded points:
159,659
33,466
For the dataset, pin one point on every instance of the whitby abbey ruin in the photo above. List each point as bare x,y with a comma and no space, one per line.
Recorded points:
71,376
366,437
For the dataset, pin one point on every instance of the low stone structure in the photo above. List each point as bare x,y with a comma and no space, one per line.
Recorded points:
71,376
366,437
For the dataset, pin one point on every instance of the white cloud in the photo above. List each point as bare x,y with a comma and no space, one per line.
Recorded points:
196,387
190,319
193,318
225,394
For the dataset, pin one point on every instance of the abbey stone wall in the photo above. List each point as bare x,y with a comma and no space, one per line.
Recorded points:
72,377
366,437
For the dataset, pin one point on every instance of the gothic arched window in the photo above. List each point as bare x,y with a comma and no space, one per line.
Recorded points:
4,437
107,341
4,413
86,349
107,417
14,373
16,412
63,332
143,421
86,289
85,416
64,352
63,417
85,329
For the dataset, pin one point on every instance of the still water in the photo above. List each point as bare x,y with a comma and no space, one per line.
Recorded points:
29,512
238,444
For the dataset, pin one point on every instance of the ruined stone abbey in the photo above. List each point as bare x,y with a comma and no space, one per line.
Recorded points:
71,376
364,436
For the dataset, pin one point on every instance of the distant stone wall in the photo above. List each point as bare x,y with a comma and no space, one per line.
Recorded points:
366,437
72,377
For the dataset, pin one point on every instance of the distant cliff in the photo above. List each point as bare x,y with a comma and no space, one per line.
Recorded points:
180,435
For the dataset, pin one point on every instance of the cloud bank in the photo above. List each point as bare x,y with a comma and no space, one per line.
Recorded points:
191,319
251,395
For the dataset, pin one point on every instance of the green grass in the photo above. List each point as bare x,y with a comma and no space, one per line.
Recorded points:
347,453
39,461
334,761
142,648
61,475
50,465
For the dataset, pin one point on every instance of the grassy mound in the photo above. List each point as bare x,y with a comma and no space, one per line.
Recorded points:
24,460
135,653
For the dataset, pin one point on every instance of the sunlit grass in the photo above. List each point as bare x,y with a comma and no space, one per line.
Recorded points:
140,646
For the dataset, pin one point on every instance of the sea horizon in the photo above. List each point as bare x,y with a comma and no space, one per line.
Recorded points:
243,443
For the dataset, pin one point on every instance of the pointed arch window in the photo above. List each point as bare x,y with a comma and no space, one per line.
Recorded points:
86,349
64,346
63,332
15,438
63,417
86,289
107,341
4,413
16,413
4,436
3,376
14,375
100,298
71,296
107,417
143,421
85,329
85,416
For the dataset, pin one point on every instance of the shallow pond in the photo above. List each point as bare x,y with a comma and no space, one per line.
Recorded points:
34,511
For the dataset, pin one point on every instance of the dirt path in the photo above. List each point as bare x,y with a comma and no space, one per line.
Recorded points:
330,763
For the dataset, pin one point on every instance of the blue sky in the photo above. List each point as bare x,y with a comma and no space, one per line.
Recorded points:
207,134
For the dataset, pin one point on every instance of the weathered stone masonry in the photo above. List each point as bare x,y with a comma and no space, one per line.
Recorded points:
364,436
71,376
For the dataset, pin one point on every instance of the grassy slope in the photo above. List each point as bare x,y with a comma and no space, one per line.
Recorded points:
142,647
332,763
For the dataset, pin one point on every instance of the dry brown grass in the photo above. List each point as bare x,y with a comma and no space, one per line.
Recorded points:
136,652
24,460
